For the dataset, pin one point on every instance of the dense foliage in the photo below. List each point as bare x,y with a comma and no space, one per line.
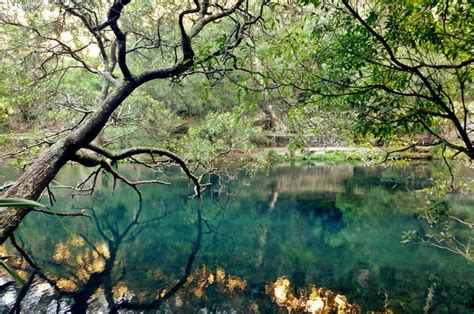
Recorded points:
398,71
393,73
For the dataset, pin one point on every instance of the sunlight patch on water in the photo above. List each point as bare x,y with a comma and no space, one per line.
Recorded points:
319,300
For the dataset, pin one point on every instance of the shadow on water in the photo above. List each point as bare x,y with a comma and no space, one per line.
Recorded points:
316,238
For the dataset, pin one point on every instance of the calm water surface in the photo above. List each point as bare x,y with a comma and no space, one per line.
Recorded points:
299,238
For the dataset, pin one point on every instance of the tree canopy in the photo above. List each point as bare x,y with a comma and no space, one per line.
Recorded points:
394,68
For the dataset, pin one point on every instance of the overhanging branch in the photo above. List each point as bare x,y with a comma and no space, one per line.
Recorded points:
133,151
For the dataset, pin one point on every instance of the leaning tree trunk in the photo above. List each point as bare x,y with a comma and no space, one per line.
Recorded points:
37,177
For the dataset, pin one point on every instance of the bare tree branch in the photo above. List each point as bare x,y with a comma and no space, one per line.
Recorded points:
115,156
81,213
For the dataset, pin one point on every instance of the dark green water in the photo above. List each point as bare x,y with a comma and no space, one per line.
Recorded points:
338,227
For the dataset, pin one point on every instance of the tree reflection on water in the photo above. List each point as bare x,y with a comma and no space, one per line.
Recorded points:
79,278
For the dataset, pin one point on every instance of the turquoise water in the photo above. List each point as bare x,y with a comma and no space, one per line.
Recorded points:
261,245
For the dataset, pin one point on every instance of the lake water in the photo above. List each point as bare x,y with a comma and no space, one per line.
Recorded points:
301,238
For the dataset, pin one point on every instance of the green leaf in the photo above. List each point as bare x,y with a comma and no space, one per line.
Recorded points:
11,272
19,202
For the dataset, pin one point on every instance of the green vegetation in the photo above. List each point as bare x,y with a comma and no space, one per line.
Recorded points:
394,74
20,202
219,88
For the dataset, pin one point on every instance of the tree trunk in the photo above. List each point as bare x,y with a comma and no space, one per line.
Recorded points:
37,177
